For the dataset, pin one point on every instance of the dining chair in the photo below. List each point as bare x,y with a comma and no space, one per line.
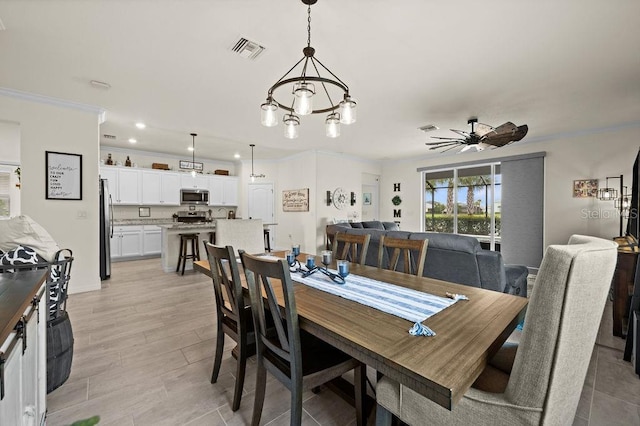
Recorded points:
233,314
351,247
296,358
551,361
402,247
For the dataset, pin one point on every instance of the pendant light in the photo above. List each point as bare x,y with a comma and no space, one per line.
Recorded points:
193,154
253,176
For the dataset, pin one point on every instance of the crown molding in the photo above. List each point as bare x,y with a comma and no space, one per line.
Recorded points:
48,100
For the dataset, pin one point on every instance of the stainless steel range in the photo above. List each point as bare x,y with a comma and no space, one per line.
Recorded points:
193,216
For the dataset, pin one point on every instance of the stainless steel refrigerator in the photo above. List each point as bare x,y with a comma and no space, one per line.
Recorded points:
106,229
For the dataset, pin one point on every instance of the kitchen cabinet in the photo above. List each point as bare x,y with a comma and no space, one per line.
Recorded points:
223,191
125,184
151,240
198,182
160,188
126,241
23,351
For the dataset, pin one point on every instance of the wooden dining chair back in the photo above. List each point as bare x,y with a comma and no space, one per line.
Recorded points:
282,352
351,247
233,314
412,252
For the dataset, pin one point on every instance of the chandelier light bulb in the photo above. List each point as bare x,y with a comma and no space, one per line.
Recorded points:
291,123
332,125
347,110
268,112
303,103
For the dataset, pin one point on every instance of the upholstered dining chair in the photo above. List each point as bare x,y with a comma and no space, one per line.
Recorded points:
351,247
233,314
296,358
402,246
551,361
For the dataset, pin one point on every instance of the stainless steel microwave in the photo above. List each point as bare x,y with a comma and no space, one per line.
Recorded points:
194,196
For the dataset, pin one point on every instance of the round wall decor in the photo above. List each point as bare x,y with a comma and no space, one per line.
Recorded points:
396,200
339,198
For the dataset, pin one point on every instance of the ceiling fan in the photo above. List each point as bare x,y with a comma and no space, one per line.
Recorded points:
482,136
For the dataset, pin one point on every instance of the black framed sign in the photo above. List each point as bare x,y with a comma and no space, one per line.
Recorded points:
191,165
64,176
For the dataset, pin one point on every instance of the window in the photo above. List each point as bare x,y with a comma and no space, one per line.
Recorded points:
500,202
5,199
465,200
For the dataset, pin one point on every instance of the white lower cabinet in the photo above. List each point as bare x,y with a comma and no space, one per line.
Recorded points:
151,240
126,241
24,369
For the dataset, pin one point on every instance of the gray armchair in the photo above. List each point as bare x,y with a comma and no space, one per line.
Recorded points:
544,383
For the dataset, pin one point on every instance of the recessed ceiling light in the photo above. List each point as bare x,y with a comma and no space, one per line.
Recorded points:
141,125
190,148
236,155
132,140
100,84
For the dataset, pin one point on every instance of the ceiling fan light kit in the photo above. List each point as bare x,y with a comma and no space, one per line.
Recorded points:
482,136
306,88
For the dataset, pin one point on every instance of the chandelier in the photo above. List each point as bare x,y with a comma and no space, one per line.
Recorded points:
303,88
253,176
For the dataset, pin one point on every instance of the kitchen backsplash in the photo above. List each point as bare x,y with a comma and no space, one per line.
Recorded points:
161,212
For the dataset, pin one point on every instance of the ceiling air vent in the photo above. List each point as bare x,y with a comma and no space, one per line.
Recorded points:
428,128
111,137
247,49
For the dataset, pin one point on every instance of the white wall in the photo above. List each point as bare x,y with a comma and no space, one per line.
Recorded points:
592,156
10,160
47,127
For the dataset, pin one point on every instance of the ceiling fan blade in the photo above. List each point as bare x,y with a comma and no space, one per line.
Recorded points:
506,137
506,128
444,145
482,129
448,149
448,139
520,133
461,132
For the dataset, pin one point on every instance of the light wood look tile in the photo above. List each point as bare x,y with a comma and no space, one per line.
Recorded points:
144,353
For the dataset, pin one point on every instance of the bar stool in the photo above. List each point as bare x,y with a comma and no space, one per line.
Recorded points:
195,250
267,240
212,237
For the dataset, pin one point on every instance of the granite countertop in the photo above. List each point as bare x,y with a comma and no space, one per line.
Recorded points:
141,221
184,225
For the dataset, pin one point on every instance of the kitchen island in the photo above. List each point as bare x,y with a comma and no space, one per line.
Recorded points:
170,236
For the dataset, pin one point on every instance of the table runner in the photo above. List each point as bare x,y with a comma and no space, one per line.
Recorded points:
412,305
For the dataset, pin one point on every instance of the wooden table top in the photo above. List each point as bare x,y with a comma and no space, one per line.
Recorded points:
442,367
17,290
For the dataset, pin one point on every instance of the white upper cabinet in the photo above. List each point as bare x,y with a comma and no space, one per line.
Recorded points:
223,191
199,182
160,188
124,184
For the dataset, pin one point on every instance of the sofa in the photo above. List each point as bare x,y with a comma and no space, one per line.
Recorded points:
450,257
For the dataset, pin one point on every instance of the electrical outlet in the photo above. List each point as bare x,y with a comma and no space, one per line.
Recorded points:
82,214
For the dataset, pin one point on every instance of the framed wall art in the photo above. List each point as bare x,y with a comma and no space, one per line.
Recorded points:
295,200
366,198
63,176
585,188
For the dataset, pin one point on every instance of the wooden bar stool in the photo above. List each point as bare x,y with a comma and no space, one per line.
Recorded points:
195,250
267,240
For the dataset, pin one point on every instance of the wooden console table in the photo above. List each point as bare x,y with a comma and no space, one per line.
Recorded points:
623,280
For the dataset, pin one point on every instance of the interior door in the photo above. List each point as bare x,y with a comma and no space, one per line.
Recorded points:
261,204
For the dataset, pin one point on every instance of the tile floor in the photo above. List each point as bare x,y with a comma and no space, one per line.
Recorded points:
144,350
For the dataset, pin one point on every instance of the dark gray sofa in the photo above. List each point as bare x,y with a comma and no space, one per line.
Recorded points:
450,257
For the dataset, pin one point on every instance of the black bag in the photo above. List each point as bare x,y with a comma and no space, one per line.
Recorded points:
59,351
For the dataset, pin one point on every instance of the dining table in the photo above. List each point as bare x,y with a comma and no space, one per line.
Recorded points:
441,367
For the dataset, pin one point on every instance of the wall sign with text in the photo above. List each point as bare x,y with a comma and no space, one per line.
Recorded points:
295,200
64,176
